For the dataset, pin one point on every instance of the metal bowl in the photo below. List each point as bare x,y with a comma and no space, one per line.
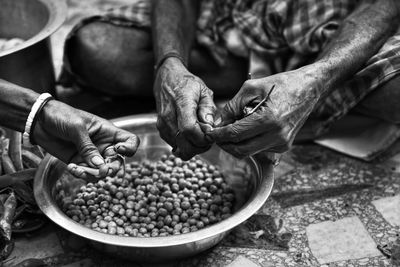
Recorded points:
29,64
251,179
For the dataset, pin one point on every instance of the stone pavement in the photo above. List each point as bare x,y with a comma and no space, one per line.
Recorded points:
325,210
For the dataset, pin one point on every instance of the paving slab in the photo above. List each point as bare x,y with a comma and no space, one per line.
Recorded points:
241,261
345,239
389,207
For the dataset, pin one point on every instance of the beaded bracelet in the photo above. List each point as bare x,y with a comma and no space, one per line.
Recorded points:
32,117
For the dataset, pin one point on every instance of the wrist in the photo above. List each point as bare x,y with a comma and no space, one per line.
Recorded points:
174,62
49,108
33,117
23,108
15,105
318,75
172,65
171,58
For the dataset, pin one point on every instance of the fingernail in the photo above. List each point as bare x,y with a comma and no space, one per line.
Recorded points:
97,160
110,171
72,166
210,119
218,121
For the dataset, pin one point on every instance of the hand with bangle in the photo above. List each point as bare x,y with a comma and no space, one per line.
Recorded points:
78,138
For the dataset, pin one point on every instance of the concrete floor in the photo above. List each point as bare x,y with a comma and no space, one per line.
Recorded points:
325,210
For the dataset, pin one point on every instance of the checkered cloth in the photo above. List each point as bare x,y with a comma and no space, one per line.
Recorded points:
279,35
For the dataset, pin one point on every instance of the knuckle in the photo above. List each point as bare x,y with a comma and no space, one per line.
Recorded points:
79,125
210,92
249,84
209,107
86,148
228,108
251,87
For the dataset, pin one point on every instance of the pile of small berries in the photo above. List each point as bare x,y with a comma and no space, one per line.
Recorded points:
167,197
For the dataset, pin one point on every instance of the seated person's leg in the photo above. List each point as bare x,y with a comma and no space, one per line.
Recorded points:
383,102
112,59
119,60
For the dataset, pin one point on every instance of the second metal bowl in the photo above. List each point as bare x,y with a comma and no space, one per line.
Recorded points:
30,64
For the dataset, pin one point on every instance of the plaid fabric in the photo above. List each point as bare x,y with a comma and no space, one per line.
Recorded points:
292,31
285,34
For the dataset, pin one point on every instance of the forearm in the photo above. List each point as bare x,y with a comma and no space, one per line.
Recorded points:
358,39
15,105
173,27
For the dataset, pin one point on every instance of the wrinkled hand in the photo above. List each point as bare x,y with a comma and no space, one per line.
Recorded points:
275,124
75,136
183,102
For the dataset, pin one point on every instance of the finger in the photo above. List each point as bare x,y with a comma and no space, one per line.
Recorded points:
206,128
108,152
248,94
186,111
81,173
263,142
226,115
129,146
74,170
186,154
114,162
105,171
206,108
262,121
187,150
87,150
167,132
115,166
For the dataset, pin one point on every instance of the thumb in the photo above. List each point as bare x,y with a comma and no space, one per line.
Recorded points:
228,114
206,108
87,150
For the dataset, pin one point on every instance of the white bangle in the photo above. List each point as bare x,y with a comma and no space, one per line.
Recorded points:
31,117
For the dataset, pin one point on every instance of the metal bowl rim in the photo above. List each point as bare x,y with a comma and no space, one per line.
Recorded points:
57,15
43,199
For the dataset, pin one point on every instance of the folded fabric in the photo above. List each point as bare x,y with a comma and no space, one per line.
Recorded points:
361,137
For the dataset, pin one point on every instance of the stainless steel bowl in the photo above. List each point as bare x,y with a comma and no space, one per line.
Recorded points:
251,179
30,63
